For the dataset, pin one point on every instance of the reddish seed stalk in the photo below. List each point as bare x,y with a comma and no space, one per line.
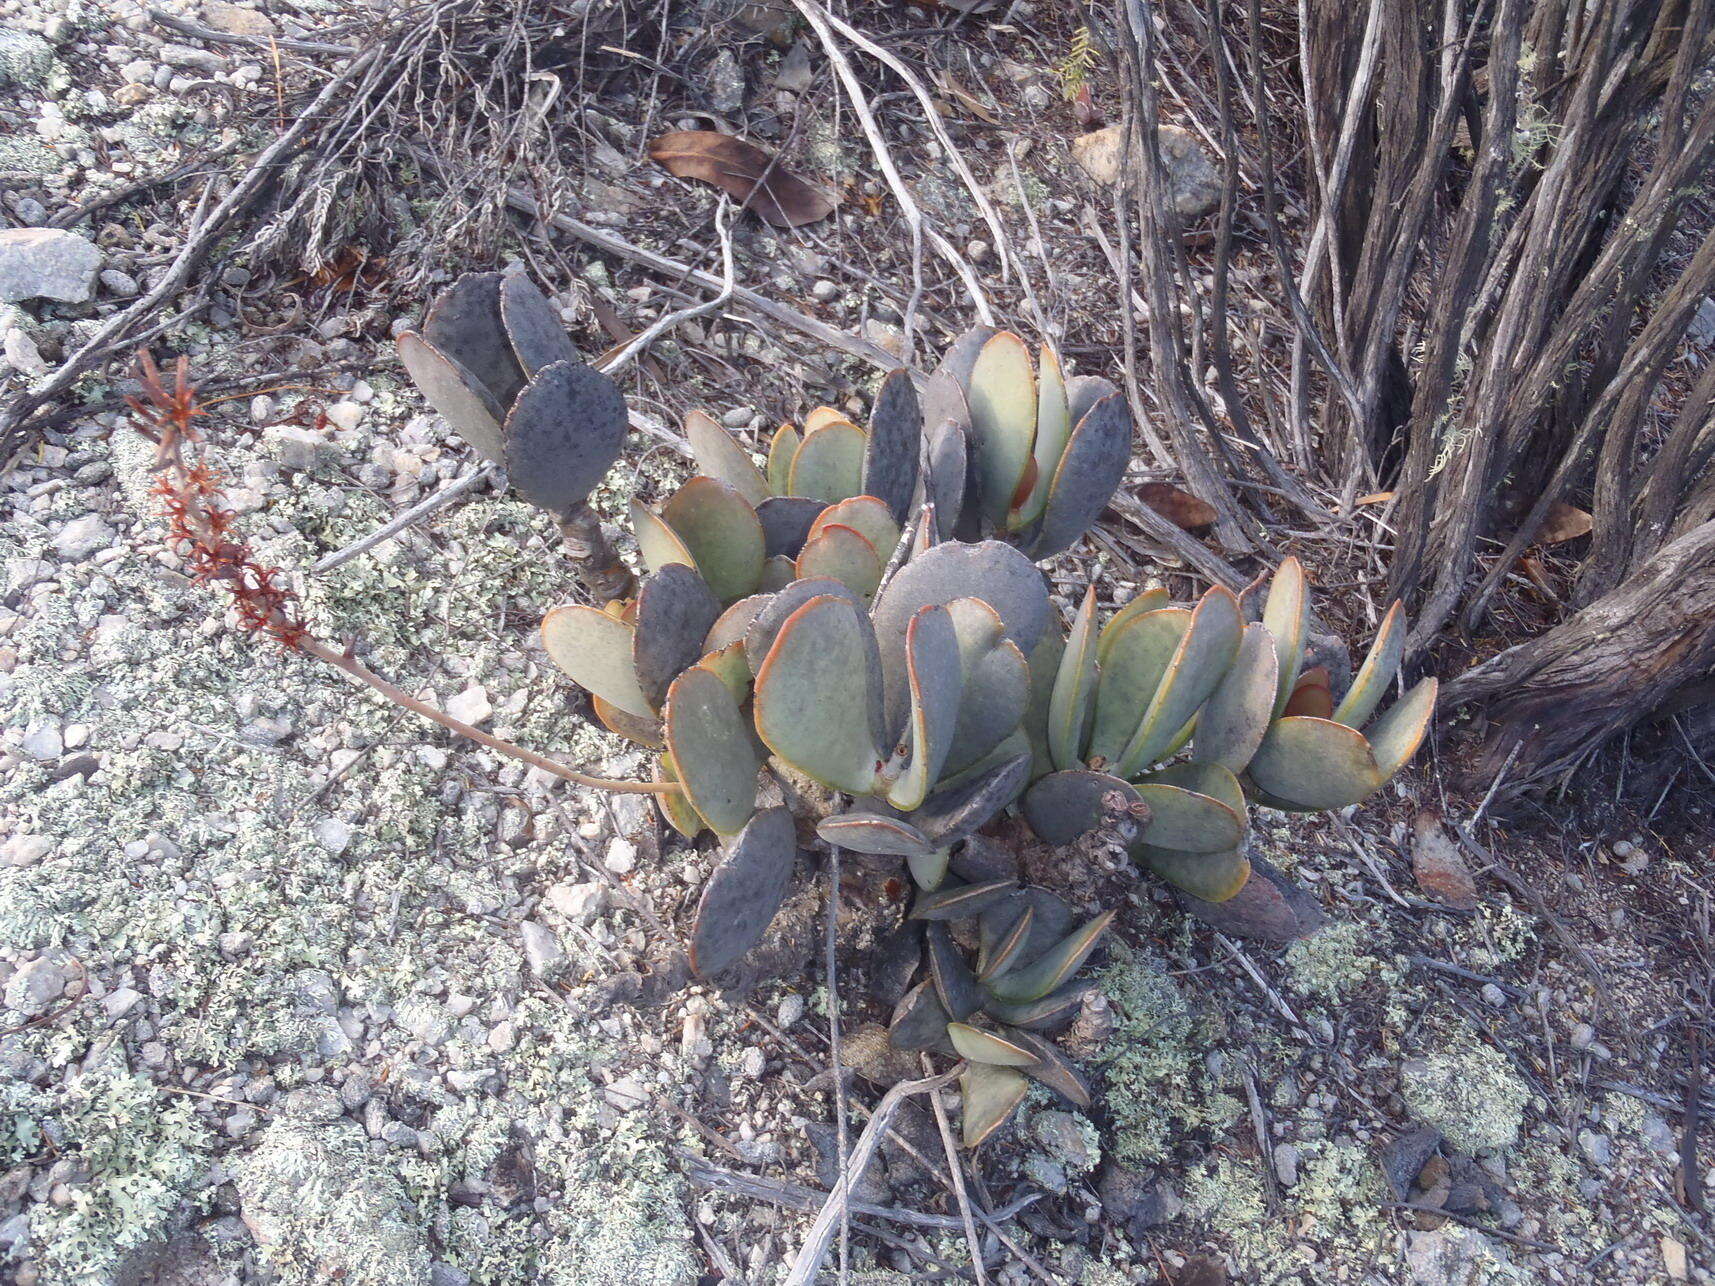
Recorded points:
203,531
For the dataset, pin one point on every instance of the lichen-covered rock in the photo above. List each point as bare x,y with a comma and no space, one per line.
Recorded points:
1193,182
323,1209
47,263
25,58
1470,1093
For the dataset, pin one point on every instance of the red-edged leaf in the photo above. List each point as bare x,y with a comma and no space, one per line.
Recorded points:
744,172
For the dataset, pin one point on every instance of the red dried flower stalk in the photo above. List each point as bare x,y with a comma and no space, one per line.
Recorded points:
202,531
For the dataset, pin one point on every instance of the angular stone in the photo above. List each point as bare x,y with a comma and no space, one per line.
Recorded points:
47,263
1192,178
34,988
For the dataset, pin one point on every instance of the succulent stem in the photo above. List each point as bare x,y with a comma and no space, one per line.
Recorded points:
597,565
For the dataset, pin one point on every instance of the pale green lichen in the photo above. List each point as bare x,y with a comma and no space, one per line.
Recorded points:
1469,1091
138,1154
1334,964
1155,1073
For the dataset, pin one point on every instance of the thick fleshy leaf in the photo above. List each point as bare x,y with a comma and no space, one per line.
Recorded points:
595,651
1045,661
533,328
955,813
955,984
996,689
1150,600
1053,428
1133,666
935,678
711,748
999,952
786,523
675,611
1051,1013
1234,719
1189,820
1206,779
873,833
957,901
457,395
844,554
1084,391
1054,967
674,806
890,456
746,889
989,1094
949,474
961,355
765,625
930,870
893,962
1286,613
1213,877
1395,737
720,455
1091,468
817,692
919,1021
866,515
465,323
1203,657
732,668
981,1046
990,570
829,463
777,573
1053,1068
1002,396
659,544
1376,674
782,450
644,730
1072,802
732,625
563,434
722,532
823,415
1315,764
1312,695
1073,700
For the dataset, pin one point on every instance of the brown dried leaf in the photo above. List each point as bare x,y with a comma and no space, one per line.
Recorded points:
1180,508
744,172
1564,522
1441,872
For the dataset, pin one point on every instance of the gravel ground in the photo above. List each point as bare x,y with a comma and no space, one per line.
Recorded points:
296,989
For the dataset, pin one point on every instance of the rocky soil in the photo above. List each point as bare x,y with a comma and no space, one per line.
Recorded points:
297,989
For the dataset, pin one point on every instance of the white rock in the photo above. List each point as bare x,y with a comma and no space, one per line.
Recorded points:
542,949
333,835
47,263
346,415
579,903
82,537
43,741
621,856
26,850
294,446
120,1001
471,706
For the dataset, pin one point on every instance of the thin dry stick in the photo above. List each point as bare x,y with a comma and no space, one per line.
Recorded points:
809,1260
884,158
665,323
408,518
829,944
958,1174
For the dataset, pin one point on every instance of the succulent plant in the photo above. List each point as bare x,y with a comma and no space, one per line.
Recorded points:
493,359
1116,707
998,960
1016,448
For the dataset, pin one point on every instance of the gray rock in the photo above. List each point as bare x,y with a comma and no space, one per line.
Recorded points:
1286,1158
22,355
542,949
1064,1139
119,283
121,1001
43,741
1454,1255
296,447
446,1275
333,835
47,263
83,536
1133,1200
579,903
25,850
35,987
1702,328
1193,179
872,1186
237,19
628,1093
726,83
1598,1147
